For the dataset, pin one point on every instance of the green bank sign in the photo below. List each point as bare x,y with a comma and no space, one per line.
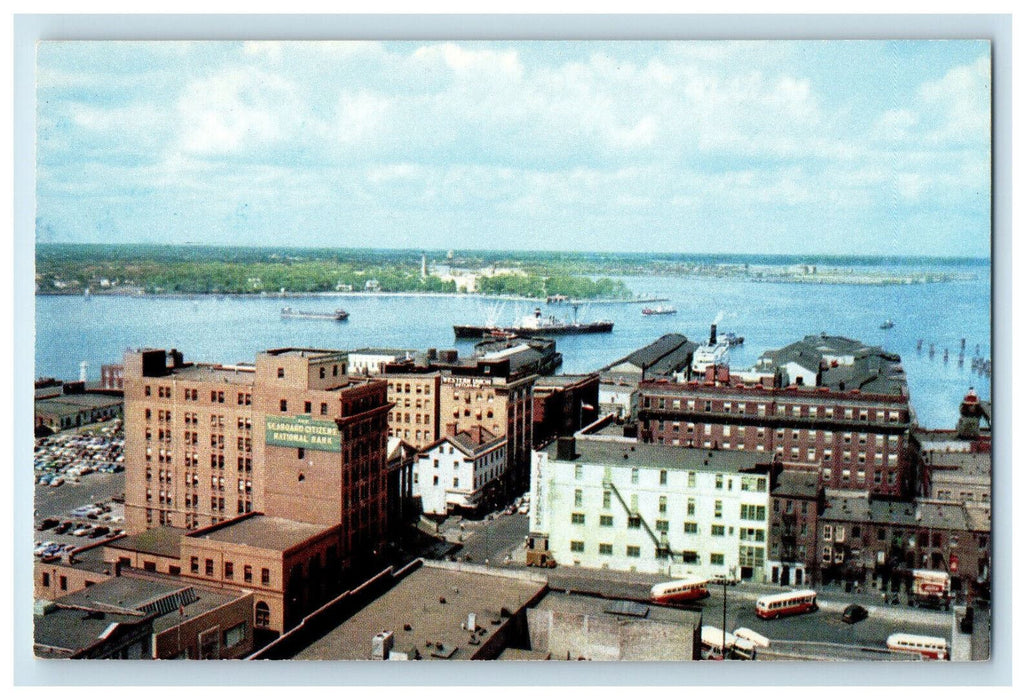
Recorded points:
302,432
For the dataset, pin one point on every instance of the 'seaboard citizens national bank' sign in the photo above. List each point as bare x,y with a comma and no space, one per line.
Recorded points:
302,432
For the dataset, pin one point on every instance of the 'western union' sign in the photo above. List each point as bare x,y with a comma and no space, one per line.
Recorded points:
302,432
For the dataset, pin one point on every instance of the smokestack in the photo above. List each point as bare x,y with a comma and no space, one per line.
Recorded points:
713,334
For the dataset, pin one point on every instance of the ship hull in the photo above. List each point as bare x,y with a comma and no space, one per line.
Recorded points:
569,329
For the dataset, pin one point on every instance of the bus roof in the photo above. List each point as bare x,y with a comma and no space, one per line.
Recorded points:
915,639
787,594
687,581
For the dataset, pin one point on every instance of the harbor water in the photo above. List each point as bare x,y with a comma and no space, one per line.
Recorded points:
228,329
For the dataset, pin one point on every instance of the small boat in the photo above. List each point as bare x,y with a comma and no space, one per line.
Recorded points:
659,310
887,324
337,315
729,339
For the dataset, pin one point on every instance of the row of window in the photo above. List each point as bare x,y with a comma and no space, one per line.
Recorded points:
228,571
693,479
761,409
307,406
634,551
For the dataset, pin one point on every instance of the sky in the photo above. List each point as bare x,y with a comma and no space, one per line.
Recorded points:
768,147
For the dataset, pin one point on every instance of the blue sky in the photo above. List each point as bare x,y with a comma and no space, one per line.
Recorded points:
710,147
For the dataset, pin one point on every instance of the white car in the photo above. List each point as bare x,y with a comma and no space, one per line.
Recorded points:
524,508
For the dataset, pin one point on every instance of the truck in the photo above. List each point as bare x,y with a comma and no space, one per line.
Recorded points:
930,589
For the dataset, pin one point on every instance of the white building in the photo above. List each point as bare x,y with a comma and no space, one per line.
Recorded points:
371,361
653,508
460,471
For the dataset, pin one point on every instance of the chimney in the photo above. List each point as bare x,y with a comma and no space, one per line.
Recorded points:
565,449
451,429
713,334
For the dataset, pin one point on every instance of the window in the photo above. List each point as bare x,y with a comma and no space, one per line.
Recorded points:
690,557
577,518
717,530
228,569
261,614
633,551
279,372
577,546
606,520
691,528
606,499
717,559
283,405
605,549
194,567
265,577
209,567
455,482
719,481
308,407
577,497
578,471
663,477
46,579
634,475
64,583
717,508
826,533
690,509
634,522
233,636
692,480
662,526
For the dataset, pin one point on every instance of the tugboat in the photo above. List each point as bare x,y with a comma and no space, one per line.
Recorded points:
535,324
729,339
887,324
659,310
337,315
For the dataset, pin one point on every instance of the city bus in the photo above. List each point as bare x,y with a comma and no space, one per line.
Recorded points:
733,646
929,647
680,591
782,604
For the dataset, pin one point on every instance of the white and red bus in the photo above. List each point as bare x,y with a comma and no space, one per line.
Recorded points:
680,591
929,647
782,604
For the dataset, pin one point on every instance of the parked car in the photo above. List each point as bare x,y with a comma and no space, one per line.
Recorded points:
63,527
81,530
98,531
524,509
854,613
47,523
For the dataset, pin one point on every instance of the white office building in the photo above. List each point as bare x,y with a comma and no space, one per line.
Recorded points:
652,508
459,471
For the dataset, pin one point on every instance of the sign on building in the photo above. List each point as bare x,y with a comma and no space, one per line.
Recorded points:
302,431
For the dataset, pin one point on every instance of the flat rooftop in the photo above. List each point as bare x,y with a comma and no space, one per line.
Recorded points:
416,601
213,373
591,605
653,456
312,353
130,593
559,381
264,532
160,541
65,631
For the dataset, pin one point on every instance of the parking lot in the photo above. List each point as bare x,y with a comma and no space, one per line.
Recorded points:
79,488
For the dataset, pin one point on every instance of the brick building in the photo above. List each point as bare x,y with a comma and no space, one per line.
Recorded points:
797,499
564,404
271,477
827,405
873,540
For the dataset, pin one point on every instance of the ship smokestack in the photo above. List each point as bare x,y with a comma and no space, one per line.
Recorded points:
713,334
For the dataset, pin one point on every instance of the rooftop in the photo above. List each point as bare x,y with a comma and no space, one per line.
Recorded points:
311,353
560,381
213,373
263,532
79,401
66,631
416,601
160,541
792,484
663,356
130,593
872,370
928,514
650,455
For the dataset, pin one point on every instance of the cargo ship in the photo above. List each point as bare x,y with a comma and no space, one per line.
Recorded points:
659,310
337,315
535,324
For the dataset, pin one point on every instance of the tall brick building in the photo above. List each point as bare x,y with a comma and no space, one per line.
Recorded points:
827,405
292,437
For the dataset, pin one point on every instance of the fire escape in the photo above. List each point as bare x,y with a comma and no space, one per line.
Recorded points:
663,547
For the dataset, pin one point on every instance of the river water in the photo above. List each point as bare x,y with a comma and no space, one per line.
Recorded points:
71,329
